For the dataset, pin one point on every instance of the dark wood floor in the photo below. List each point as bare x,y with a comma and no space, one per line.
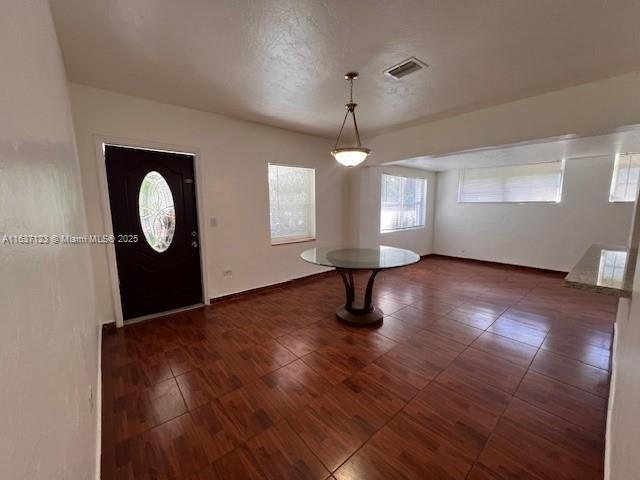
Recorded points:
479,372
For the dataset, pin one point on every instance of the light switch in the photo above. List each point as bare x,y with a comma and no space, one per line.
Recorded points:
213,222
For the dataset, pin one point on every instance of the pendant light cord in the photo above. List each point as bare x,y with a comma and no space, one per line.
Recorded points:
351,108
355,126
341,128
351,90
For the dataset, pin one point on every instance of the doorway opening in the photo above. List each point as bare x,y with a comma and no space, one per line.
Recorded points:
152,198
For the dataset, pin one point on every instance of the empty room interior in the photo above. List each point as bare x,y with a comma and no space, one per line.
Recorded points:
319,239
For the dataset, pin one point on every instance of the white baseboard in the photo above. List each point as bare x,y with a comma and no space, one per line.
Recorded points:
98,396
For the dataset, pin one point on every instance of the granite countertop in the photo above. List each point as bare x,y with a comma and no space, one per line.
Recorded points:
605,269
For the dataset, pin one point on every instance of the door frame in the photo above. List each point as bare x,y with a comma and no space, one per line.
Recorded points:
99,142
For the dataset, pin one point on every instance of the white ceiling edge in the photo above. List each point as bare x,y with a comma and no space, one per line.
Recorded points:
622,140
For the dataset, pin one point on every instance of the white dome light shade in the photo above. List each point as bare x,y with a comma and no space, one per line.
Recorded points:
350,157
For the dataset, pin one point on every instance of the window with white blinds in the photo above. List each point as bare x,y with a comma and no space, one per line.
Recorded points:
292,200
403,203
626,173
540,182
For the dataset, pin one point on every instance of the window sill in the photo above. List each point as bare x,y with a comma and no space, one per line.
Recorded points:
408,229
292,240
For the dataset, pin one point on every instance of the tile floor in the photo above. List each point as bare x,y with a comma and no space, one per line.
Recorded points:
479,371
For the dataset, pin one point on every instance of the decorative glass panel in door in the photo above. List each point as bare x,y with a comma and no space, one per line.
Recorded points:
157,212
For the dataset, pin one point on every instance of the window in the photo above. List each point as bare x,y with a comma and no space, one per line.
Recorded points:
403,203
156,211
624,183
540,182
292,200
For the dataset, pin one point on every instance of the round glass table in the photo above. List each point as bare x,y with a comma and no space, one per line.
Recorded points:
348,260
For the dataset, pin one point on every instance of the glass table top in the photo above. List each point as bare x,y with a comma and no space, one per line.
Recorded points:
360,258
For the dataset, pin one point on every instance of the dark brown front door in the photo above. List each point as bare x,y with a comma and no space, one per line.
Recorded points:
153,208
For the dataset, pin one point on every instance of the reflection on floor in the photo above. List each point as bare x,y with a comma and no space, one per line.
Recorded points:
479,371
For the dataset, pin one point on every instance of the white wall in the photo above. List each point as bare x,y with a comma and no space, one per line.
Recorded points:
48,329
365,210
547,235
586,109
233,179
623,417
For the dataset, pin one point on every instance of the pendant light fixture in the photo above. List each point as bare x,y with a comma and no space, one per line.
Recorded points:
350,156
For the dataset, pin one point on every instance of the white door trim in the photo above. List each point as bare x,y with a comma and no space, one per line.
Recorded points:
99,142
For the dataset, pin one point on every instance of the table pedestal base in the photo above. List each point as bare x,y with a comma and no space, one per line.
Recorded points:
364,316
359,319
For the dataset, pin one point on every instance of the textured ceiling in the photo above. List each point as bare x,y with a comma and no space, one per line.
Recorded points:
548,150
281,62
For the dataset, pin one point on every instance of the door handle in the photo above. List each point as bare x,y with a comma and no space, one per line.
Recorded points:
194,244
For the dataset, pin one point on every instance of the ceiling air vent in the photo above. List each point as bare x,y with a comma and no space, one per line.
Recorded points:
405,68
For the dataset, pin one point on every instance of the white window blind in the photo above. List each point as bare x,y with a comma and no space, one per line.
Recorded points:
292,201
626,172
540,182
403,203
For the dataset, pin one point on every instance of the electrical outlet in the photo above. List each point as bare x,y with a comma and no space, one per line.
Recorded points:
227,273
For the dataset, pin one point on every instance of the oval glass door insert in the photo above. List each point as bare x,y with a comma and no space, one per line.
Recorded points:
156,211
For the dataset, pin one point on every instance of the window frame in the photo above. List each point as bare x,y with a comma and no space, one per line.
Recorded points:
514,202
424,206
284,240
614,175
